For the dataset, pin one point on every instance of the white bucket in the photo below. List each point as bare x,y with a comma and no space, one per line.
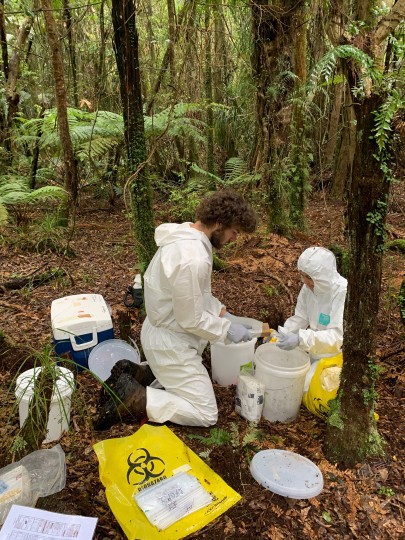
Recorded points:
59,411
283,373
226,360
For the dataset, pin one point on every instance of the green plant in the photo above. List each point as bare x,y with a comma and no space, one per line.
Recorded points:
183,204
269,291
14,192
377,218
217,437
386,491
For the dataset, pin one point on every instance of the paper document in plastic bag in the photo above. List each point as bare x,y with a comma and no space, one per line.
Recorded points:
129,466
173,499
249,398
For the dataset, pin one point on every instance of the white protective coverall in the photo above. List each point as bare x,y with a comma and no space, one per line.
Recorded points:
318,317
182,316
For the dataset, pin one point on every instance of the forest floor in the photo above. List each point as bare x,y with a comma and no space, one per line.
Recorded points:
261,282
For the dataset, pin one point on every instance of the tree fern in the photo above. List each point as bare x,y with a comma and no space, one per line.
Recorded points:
14,190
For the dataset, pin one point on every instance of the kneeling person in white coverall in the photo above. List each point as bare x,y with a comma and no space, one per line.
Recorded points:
183,315
317,324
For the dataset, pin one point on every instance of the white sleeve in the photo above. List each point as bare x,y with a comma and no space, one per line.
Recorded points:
300,317
327,341
188,302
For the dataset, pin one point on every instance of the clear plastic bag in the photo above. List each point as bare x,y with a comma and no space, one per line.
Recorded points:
38,474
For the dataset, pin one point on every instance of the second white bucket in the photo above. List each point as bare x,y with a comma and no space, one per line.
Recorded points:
226,360
59,411
283,373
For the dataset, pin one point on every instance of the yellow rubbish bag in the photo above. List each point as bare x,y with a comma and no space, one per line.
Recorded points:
153,454
324,385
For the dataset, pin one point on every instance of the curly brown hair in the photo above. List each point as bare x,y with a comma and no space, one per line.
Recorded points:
228,208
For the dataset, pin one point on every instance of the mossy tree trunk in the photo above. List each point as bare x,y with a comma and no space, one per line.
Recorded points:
126,52
272,23
352,433
208,90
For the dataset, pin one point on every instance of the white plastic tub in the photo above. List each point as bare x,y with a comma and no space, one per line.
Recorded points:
59,411
283,373
226,360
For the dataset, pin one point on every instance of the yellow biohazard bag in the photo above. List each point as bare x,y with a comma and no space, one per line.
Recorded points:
324,385
153,454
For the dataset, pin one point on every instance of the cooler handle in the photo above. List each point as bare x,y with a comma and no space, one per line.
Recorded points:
87,345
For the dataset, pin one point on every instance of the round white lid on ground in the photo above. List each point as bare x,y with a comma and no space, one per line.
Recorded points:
287,473
106,354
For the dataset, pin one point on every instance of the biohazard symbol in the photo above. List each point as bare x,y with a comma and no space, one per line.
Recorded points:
146,466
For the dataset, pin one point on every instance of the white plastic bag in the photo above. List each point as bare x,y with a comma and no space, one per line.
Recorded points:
38,474
172,499
249,397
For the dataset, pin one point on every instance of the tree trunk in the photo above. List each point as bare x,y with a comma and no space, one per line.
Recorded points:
351,433
208,91
171,13
346,149
299,143
71,178
333,130
272,23
72,51
3,40
126,52
12,67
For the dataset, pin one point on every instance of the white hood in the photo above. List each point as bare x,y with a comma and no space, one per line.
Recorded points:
318,317
320,265
167,233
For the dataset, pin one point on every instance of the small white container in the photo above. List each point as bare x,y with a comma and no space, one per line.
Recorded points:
283,373
59,411
226,360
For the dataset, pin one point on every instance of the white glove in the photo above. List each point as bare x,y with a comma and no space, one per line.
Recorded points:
236,320
237,333
288,342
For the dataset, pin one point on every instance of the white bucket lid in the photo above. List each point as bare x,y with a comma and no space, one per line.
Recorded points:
64,383
106,354
287,474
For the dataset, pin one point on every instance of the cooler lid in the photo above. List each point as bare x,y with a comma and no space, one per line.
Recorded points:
79,314
287,473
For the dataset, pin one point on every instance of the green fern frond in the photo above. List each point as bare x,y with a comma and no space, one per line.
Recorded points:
205,174
253,435
234,168
218,437
14,190
325,68
46,192
383,118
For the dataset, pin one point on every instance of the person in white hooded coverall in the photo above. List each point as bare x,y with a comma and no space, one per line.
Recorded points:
183,315
317,324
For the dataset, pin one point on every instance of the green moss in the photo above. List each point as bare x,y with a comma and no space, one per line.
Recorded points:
376,444
335,416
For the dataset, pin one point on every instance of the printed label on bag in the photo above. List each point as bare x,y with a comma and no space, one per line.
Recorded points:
324,319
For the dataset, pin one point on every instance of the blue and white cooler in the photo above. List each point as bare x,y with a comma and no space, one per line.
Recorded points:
79,323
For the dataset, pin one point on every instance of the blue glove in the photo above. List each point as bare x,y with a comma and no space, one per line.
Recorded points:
237,333
288,342
236,320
